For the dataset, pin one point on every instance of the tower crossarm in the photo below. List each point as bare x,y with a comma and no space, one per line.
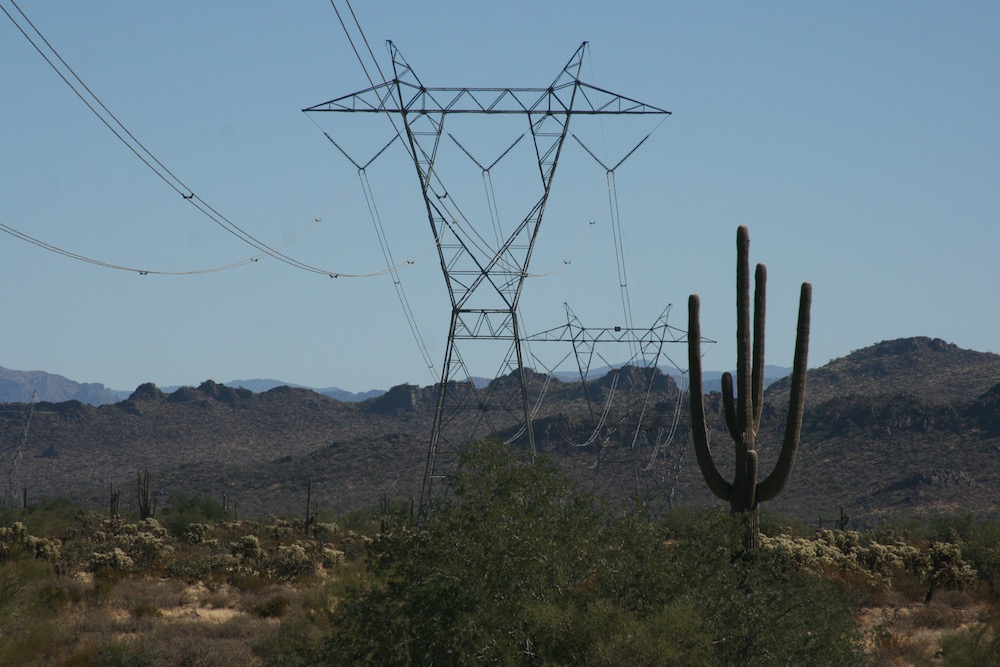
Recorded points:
385,98
613,334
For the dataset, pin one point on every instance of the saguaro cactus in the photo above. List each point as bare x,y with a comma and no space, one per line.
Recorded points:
147,504
115,502
745,494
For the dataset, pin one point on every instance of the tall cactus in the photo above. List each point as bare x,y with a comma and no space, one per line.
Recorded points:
147,504
743,415
115,502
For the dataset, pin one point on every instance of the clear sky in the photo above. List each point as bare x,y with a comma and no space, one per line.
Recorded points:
859,141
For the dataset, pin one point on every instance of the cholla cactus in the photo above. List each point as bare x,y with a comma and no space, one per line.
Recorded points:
196,533
288,562
744,493
835,551
946,569
247,548
116,559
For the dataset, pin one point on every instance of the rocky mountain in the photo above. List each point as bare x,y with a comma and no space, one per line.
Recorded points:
259,386
20,386
908,427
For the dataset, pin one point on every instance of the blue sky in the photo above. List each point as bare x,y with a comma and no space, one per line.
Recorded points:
858,141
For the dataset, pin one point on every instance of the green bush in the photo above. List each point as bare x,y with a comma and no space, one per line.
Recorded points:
52,516
516,565
758,609
28,616
116,654
186,510
974,646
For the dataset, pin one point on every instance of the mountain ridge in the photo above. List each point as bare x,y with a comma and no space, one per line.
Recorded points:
24,386
904,427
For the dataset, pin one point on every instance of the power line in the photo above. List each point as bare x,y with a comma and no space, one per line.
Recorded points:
370,197
120,267
155,165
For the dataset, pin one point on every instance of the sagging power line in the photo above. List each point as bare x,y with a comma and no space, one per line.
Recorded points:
90,99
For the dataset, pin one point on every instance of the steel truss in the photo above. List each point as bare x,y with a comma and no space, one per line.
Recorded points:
485,276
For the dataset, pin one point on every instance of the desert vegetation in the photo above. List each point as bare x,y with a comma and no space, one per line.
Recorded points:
513,565
743,412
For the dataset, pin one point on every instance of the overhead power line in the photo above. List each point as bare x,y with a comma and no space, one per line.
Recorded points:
126,137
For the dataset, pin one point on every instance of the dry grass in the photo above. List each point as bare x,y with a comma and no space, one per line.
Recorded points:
164,622
908,633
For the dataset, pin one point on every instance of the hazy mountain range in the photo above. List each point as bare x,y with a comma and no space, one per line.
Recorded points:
20,386
907,427
24,386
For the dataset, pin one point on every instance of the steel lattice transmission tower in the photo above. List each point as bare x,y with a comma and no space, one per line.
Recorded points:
484,270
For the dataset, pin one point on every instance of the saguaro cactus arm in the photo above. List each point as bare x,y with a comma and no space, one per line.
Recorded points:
729,405
755,386
759,307
716,484
744,406
774,482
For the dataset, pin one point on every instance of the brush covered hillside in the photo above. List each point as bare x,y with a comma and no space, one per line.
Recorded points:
905,427
909,427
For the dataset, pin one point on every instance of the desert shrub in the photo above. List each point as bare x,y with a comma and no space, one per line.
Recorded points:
974,646
28,618
62,593
198,644
359,521
200,564
517,565
186,510
297,643
50,517
272,607
482,580
981,549
354,546
757,609
248,581
122,654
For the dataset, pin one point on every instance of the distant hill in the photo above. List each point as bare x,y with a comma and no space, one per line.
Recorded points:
907,427
260,386
903,426
711,380
20,386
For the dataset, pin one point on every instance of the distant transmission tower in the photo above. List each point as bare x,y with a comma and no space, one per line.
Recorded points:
484,265
12,455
